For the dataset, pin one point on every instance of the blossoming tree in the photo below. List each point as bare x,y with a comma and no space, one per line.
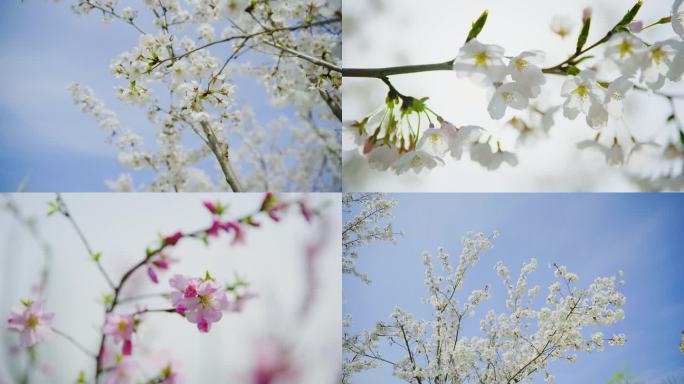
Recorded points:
513,346
371,222
182,73
404,133
202,300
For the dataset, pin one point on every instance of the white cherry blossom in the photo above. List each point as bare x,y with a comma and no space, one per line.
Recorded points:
580,92
512,95
626,51
481,61
525,70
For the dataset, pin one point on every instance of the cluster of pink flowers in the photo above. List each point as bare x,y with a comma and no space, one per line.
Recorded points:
201,301
31,322
121,328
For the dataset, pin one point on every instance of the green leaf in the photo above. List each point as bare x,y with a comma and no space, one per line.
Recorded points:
630,15
582,39
207,276
107,300
26,303
477,26
573,70
54,208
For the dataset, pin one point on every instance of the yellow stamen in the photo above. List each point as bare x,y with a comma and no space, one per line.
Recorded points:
481,59
625,48
581,91
520,64
32,321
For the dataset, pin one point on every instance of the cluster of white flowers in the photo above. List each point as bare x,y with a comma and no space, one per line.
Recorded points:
514,347
368,218
391,137
187,87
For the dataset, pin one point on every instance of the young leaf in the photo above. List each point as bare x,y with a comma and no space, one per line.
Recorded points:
477,26
582,39
630,15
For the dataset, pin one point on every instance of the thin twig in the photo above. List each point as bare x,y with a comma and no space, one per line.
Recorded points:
66,213
74,342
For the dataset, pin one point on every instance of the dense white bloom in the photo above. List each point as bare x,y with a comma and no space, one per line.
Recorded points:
512,346
370,221
512,95
625,50
232,9
124,183
129,14
186,89
206,32
482,61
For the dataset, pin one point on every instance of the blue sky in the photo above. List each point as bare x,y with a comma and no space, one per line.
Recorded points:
44,138
592,234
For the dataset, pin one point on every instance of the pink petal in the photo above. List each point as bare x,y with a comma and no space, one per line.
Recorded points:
153,275
127,347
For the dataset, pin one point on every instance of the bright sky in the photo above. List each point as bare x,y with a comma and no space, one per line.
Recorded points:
44,137
121,226
380,33
593,235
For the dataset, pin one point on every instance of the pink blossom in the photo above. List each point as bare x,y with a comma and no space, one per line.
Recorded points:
121,328
201,301
217,226
32,324
167,370
173,239
123,372
234,226
273,365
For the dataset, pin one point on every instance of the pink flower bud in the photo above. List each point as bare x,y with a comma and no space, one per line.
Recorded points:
153,275
636,26
368,147
173,239
211,207
586,13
